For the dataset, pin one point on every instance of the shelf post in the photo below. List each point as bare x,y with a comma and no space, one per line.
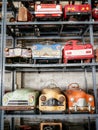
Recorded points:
2,59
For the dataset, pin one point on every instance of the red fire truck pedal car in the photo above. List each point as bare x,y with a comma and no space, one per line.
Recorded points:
77,10
48,11
75,50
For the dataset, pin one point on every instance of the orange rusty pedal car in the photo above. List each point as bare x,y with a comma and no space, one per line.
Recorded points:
78,100
52,101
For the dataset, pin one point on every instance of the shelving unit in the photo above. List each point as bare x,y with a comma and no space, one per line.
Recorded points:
12,30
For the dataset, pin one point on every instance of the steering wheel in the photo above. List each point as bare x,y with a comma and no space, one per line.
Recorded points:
73,86
48,128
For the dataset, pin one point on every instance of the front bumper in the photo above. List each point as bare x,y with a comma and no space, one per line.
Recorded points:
82,109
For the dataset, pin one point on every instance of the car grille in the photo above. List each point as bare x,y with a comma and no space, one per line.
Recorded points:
81,102
18,102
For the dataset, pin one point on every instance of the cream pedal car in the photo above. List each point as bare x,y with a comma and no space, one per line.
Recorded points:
52,100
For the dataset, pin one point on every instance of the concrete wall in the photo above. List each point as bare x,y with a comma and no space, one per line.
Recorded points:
40,80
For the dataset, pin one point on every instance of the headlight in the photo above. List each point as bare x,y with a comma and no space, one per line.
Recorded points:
57,53
90,99
58,7
5,100
87,8
34,47
38,7
61,99
38,53
43,98
58,47
72,99
31,99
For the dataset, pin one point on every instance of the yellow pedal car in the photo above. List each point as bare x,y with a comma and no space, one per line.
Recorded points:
52,101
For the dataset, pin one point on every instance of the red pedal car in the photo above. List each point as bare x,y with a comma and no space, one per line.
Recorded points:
75,50
95,14
77,10
95,11
48,10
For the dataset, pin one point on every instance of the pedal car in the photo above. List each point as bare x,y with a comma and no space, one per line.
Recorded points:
95,14
77,10
18,55
78,100
47,51
48,10
51,126
75,50
95,11
21,97
52,100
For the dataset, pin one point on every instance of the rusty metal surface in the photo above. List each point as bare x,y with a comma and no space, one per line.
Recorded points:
16,108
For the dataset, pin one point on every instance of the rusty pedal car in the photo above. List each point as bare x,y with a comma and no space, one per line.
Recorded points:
18,55
52,100
47,52
80,11
78,100
74,50
21,99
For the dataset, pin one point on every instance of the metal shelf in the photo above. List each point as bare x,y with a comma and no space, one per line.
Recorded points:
50,29
51,65
73,67
62,30
53,23
35,0
52,116
45,28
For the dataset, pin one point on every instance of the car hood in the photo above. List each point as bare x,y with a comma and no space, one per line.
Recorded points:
21,94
